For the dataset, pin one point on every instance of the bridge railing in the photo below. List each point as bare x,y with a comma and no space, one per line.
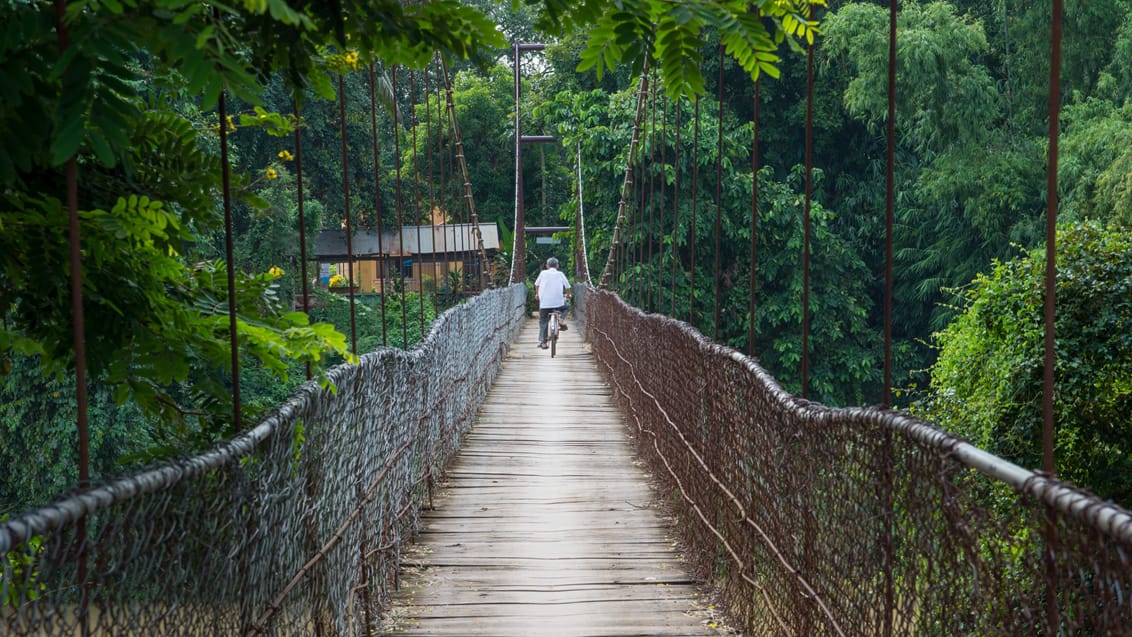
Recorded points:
821,521
292,528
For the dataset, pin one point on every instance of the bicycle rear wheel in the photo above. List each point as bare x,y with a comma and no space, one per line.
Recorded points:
552,333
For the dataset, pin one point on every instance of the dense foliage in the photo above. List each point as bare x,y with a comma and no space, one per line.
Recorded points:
134,100
124,95
987,383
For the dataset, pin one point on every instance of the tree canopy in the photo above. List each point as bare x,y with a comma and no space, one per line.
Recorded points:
130,88
987,383
127,90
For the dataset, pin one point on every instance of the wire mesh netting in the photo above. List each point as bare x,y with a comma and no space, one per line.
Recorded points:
292,528
821,521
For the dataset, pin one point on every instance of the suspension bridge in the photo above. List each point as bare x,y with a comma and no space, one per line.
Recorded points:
671,487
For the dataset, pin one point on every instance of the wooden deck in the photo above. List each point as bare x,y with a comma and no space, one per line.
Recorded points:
546,525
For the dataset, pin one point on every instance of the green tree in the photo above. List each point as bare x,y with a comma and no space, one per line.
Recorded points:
37,416
129,98
671,34
1096,161
987,382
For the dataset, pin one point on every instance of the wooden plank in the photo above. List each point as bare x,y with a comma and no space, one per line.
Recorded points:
545,524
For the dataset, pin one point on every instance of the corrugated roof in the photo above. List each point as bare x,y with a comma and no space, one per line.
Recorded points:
451,237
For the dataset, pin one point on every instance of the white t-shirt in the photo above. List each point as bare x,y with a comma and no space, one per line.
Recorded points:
550,287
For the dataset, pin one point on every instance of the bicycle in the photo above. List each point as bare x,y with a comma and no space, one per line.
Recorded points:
552,332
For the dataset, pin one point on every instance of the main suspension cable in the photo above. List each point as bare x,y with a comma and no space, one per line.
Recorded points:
619,227
486,281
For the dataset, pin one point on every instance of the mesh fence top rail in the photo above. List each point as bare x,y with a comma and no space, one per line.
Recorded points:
861,521
291,528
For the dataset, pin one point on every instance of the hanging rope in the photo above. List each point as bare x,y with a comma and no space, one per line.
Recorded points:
692,230
889,204
806,216
418,258
808,535
652,195
1050,354
619,227
663,202
675,204
582,267
1049,530
400,215
754,222
630,221
457,199
432,205
346,212
78,320
229,251
469,202
303,274
625,249
641,231
888,475
717,313
443,179
381,273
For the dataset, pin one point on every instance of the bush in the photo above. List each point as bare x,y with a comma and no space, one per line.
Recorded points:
987,383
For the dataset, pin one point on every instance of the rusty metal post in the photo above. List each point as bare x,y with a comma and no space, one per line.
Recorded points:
78,329
1053,618
518,246
888,478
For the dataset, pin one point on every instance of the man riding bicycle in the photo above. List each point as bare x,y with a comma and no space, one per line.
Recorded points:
552,288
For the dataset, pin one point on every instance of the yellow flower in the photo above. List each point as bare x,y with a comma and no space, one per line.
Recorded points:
275,271
271,173
286,155
338,281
